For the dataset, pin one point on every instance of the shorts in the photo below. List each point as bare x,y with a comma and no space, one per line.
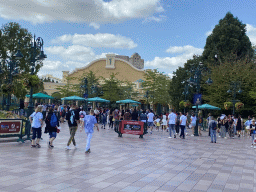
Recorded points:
150,124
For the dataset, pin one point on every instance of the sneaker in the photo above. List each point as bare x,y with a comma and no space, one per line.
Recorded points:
186,133
150,132
88,151
251,145
219,136
67,148
174,136
225,137
254,147
38,146
33,146
192,135
49,144
170,137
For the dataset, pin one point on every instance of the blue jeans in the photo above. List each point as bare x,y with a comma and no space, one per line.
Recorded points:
171,129
53,134
182,128
88,143
213,135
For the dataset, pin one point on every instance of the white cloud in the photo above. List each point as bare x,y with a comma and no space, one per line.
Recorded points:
98,40
155,18
251,32
94,25
208,33
187,49
170,64
88,11
74,52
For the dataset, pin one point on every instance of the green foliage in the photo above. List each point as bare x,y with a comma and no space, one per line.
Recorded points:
157,84
228,105
10,35
228,37
223,75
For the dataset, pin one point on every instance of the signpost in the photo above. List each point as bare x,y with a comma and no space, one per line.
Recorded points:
131,127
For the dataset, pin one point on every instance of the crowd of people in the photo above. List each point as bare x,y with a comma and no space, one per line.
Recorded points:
176,123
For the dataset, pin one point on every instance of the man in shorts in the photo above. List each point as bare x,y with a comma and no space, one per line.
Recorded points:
150,120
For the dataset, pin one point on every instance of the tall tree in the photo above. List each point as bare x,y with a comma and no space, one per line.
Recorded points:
12,38
228,37
157,84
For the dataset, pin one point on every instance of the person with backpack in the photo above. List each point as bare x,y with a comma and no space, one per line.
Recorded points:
88,124
51,122
73,120
213,127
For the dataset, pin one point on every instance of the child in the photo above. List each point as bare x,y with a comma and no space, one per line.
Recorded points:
157,123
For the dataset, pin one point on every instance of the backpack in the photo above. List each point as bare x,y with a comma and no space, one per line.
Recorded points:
214,125
54,120
143,116
72,117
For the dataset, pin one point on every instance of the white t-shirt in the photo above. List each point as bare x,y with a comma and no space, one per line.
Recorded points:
183,120
164,122
36,119
150,117
193,119
172,118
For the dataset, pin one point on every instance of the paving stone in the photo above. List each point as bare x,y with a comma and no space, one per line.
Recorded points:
154,163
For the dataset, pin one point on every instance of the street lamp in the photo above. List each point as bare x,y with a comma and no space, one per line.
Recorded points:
36,54
84,86
13,69
235,87
185,93
195,79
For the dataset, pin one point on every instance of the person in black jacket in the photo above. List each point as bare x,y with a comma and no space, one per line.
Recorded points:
73,120
52,130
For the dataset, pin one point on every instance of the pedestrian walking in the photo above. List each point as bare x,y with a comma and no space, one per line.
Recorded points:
183,122
253,133
36,121
177,124
73,120
150,120
239,124
164,123
213,127
52,123
88,124
172,118
193,123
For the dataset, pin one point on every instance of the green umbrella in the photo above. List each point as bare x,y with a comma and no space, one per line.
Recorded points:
207,106
128,101
40,96
73,98
98,99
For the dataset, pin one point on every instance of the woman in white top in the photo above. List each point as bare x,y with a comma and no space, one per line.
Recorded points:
193,123
164,123
36,124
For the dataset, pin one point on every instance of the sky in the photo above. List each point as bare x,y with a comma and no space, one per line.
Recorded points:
165,33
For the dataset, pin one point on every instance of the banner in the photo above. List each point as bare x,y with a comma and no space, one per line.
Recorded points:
197,99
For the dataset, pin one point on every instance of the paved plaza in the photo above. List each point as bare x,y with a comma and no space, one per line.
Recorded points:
155,163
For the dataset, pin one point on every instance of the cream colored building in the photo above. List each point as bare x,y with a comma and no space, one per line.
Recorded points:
125,69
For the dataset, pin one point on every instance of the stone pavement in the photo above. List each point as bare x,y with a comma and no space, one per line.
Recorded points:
155,163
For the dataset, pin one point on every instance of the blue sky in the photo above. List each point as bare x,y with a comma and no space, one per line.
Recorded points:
165,33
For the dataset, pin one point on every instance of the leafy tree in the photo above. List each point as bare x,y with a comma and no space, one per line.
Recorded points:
231,70
112,89
157,84
11,34
228,37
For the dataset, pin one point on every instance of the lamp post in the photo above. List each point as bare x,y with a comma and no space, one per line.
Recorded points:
195,79
12,68
36,54
84,86
185,93
235,87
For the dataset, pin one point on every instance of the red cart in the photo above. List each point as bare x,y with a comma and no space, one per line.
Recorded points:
131,127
